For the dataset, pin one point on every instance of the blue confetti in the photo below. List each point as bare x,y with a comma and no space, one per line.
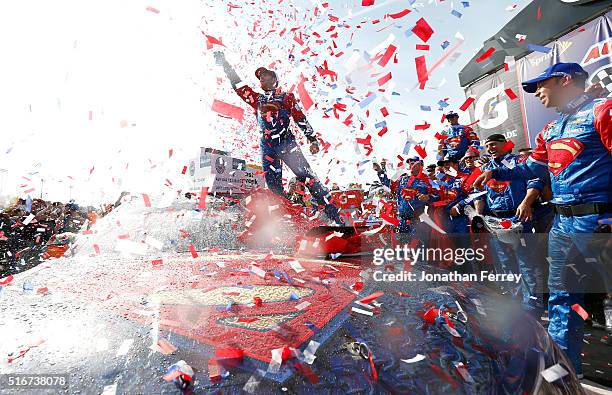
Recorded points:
361,171
395,94
27,286
293,296
407,147
408,33
442,104
425,108
537,48
465,4
456,13
366,102
380,124
445,44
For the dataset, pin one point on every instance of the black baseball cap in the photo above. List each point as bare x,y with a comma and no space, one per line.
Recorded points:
496,137
451,114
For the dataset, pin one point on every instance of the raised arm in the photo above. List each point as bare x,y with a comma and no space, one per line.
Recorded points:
244,91
229,70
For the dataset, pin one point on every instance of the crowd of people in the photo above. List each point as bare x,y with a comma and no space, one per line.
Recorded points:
562,188
28,225
557,194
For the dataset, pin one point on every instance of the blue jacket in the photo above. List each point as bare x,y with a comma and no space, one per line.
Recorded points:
507,195
458,139
406,189
576,149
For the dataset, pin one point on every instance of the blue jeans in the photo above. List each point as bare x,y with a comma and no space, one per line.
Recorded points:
274,151
519,258
566,289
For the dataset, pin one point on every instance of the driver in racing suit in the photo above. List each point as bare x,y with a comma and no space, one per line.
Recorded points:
576,149
273,110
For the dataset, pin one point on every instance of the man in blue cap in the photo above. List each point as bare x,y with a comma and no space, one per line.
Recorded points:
577,151
456,140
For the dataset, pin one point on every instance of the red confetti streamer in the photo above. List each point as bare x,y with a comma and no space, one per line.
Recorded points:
487,54
193,251
421,69
400,14
371,297
228,110
422,30
580,311
203,196
425,126
539,14
422,47
366,3
212,40
508,146
153,10
147,201
383,131
304,96
384,111
384,79
184,170
510,93
157,262
96,249
467,103
421,151
387,55
7,280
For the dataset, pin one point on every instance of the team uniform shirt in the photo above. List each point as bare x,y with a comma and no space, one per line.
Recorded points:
406,189
507,195
576,150
457,140
274,110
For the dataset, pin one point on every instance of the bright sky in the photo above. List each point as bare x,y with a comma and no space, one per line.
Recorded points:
113,86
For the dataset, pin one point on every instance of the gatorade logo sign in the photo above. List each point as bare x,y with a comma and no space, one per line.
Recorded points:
491,116
597,51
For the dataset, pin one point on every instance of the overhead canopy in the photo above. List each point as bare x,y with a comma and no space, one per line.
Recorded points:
557,17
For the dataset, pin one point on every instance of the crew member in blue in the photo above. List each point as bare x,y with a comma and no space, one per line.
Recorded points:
456,140
413,192
274,109
509,201
576,151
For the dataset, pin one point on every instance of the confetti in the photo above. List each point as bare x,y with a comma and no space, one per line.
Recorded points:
367,3
421,70
146,200
510,93
193,251
400,14
467,103
414,359
554,373
580,311
228,110
387,55
384,79
487,54
456,13
372,297
423,30
538,48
